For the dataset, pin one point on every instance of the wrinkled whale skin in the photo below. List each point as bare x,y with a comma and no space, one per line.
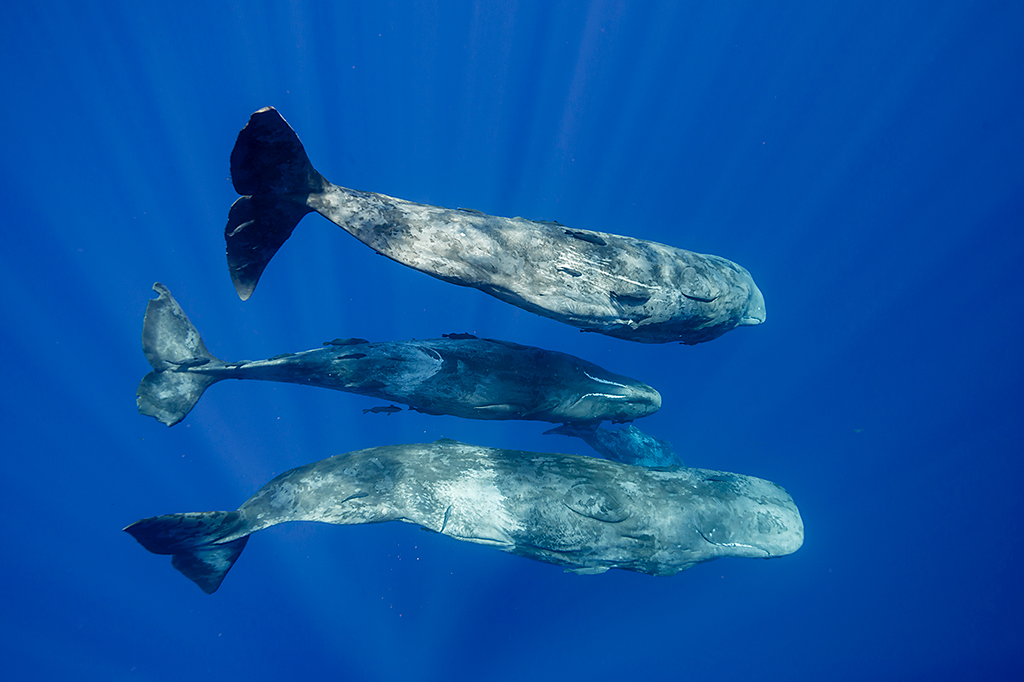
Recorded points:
462,377
620,286
585,514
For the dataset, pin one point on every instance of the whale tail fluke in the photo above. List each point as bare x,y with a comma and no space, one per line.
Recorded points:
172,345
196,543
271,171
169,396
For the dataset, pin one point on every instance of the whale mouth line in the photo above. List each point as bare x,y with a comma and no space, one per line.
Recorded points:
484,540
768,555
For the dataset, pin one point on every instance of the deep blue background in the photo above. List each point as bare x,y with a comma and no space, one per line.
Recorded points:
862,160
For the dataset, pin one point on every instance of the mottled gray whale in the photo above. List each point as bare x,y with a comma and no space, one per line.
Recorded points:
586,514
463,377
620,286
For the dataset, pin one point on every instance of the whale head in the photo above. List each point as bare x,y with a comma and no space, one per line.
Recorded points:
743,516
755,312
609,396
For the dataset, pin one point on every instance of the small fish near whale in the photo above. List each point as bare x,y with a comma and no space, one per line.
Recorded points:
463,377
585,514
615,285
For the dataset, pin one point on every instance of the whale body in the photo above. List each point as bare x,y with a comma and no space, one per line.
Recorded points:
628,445
462,377
620,286
585,514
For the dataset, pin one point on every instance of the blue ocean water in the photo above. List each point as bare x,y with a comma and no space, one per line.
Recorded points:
862,160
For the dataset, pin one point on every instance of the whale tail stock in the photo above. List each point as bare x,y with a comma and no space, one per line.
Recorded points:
195,542
172,345
269,167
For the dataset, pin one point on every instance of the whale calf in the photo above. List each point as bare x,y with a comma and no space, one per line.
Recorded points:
585,514
628,445
620,286
463,377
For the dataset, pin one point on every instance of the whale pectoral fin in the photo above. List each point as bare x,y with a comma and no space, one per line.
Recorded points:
502,409
631,299
587,570
426,410
569,429
490,535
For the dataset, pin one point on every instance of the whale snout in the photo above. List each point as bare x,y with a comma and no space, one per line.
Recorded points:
634,400
645,399
784,533
755,313
620,401
759,521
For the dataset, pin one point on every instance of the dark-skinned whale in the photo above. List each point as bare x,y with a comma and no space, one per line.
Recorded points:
620,286
628,445
586,514
462,377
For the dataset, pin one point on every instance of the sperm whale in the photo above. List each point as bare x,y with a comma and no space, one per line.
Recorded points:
585,514
620,286
462,377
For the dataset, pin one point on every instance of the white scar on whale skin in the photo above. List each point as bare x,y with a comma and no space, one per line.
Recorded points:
609,396
605,381
624,287
584,514
477,510
596,395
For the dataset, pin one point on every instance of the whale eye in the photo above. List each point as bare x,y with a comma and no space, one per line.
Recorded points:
698,286
588,500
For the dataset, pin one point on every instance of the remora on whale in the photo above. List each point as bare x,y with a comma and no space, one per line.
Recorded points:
585,514
462,377
620,286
